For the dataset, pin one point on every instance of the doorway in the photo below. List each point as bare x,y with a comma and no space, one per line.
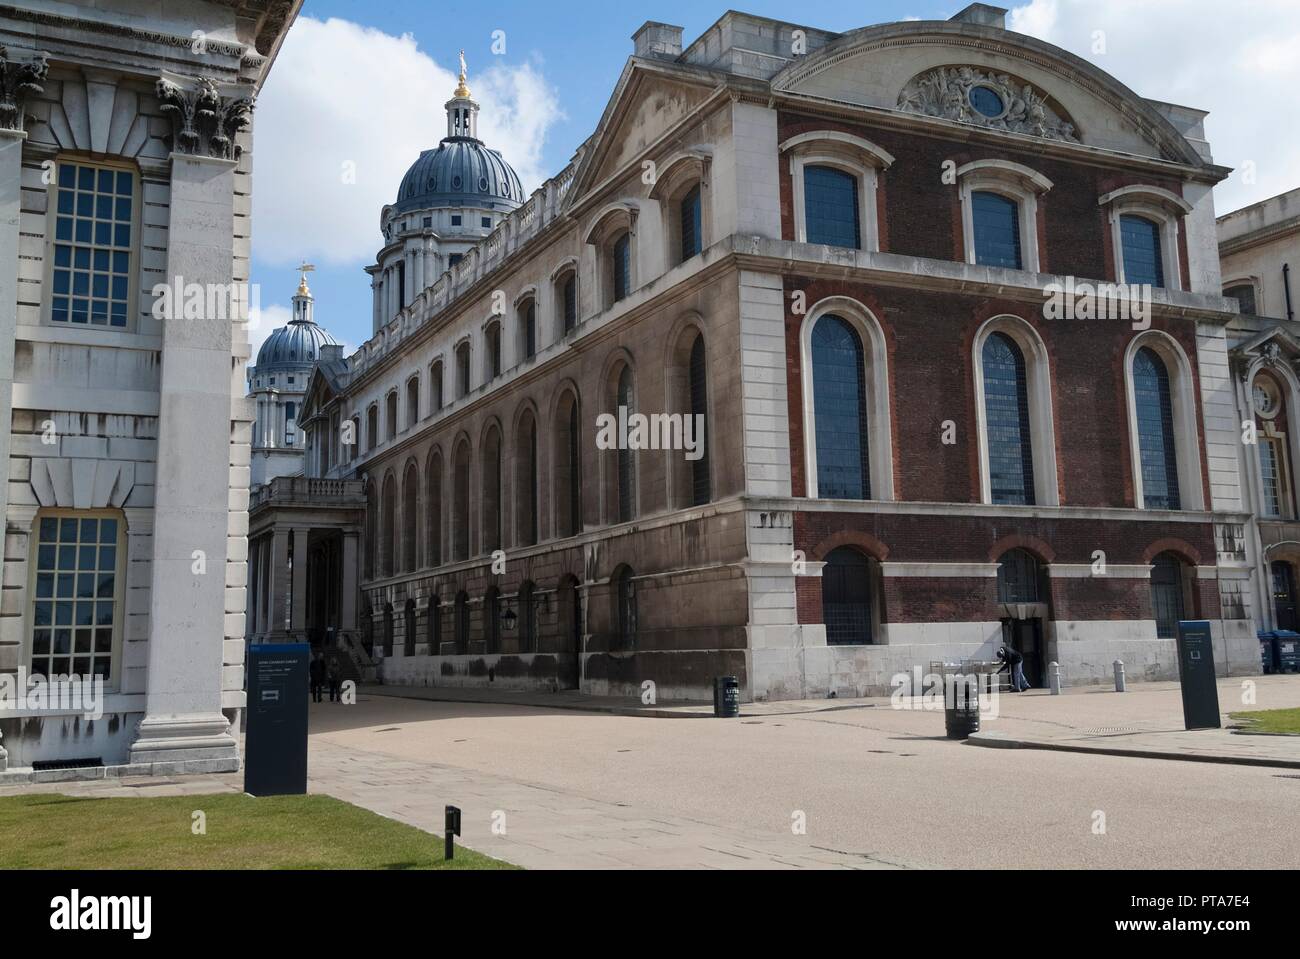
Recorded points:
1284,598
1025,636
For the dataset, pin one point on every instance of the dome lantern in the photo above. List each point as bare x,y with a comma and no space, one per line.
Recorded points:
462,110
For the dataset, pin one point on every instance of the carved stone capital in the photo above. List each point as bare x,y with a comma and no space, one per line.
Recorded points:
20,78
205,120
945,92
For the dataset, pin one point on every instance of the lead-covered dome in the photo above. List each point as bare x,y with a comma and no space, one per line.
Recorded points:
461,171
296,344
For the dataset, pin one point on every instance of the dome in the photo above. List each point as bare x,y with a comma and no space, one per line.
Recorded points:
293,346
462,171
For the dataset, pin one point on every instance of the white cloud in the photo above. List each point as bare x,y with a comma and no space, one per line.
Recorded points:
1240,61
343,94
262,322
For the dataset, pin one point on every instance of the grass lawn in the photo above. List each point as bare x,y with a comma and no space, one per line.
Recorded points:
50,831
1271,721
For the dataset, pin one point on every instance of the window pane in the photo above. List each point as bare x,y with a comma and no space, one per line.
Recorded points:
692,224
1006,415
95,227
846,598
701,485
622,263
75,589
830,199
840,410
1143,262
1270,472
1244,294
997,230
1155,423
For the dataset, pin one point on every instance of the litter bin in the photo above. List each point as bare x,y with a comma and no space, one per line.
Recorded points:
1268,650
726,697
1287,656
961,705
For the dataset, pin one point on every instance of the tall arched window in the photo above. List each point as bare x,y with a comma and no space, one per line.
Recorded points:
621,264
566,298
1143,256
388,629
410,518
1019,577
408,628
372,529
996,221
527,618
492,619
528,329
692,223
435,386
1006,418
1168,601
626,480
846,598
831,205
1155,423
412,401
462,622
525,494
492,344
462,370
390,413
840,405
568,467
388,527
433,626
433,512
491,484
460,501
701,481
625,612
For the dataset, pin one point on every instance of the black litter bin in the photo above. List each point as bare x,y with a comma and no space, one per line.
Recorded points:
726,697
1287,656
1268,650
961,706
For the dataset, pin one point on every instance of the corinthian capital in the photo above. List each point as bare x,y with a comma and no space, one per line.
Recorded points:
205,119
20,78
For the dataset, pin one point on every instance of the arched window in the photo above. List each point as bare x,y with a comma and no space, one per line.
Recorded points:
527,618
625,489
527,314
566,298
566,456
412,401
1143,256
620,261
847,598
460,501
492,341
701,482
433,512
390,413
372,427
388,629
491,485
831,207
410,518
1167,594
1006,422
408,629
462,370
1155,423
1019,577
1244,294
691,218
492,619
388,528
372,529
840,404
462,623
996,220
525,494
435,386
433,626
625,612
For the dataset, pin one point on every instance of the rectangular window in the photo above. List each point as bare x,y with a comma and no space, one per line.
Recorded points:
830,200
455,219
997,230
290,423
435,386
570,296
93,229
692,224
74,608
1270,469
1143,258
487,222
622,266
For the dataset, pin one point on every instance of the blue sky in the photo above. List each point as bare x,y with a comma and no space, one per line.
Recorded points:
363,83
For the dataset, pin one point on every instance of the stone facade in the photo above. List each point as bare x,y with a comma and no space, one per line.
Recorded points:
126,434
505,545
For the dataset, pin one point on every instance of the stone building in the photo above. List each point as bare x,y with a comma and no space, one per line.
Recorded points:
836,250
125,160
1258,248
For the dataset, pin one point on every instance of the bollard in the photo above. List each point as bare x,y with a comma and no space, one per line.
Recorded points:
1119,676
451,828
1054,677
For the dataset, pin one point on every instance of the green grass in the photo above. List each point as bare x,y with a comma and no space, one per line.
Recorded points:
1271,721
50,831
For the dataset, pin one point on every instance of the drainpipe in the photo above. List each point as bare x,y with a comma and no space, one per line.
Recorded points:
1286,288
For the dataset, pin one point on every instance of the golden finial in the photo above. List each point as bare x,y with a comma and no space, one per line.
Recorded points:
305,268
462,90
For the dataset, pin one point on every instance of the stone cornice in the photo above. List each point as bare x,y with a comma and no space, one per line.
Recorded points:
1264,234
81,24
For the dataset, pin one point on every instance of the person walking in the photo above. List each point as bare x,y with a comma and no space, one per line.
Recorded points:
1013,661
336,681
316,671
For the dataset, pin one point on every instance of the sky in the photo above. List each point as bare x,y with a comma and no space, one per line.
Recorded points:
359,86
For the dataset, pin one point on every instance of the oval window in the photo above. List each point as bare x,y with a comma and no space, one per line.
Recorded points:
987,102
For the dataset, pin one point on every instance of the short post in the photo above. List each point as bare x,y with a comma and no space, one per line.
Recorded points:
1054,677
1119,676
451,827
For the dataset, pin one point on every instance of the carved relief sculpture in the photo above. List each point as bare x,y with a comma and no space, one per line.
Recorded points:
19,79
204,122
983,98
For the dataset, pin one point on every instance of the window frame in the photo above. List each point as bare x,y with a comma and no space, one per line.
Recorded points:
856,156
1163,208
1015,182
1183,399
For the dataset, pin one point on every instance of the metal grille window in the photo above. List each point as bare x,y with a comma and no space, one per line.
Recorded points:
701,484
1155,424
1271,473
997,230
1018,577
75,614
1143,259
830,200
621,262
528,328
569,297
1167,594
692,224
1006,419
846,598
840,406
1244,294
93,225
626,465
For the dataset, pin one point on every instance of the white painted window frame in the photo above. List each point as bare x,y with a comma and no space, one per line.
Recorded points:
858,157
1017,183
1182,396
1163,208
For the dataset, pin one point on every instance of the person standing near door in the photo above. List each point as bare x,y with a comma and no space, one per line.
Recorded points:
1013,661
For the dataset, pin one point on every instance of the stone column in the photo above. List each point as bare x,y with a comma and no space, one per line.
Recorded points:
348,579
279,592
183,724
298,623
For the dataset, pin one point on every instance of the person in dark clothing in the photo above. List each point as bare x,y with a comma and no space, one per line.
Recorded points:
316,671
1013,661
336,681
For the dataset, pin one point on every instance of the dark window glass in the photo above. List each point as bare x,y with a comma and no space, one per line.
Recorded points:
840,407
997,230
1143,262
462,370
494,349
75,613
434,626
846,598
622,265
388,630
527,619
1244,294
626,484
1006,413
569,294
625,591
455,219
986,101
830,200
1018,578
528,321
1167,594
408,626
701,486
492,613
575,489
462,623
1155,424
435,386
92,250
692,224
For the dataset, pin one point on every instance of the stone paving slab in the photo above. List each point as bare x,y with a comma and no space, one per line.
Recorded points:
1200,745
